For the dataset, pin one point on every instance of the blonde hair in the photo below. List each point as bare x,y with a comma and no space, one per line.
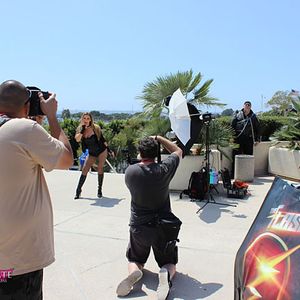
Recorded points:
96,128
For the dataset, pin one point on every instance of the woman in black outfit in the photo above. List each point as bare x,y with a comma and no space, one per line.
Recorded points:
91,138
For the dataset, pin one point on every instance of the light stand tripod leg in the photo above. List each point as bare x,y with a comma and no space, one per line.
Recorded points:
202,206
210,198
212,187
214,202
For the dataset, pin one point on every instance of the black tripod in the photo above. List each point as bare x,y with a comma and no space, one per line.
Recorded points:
210,198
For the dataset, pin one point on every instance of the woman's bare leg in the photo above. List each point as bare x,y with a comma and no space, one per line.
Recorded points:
101,161
87,165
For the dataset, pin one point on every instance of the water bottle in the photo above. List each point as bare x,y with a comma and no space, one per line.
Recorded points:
83,157
213,176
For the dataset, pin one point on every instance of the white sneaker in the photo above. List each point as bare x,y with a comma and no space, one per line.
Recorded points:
164,284
126,285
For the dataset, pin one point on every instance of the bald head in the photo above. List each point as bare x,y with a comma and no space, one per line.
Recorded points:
13,95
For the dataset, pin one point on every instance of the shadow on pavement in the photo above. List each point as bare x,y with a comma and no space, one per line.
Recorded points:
212,212
184,287
189,288
105,201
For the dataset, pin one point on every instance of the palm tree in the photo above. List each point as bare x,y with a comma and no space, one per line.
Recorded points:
156,126
155,92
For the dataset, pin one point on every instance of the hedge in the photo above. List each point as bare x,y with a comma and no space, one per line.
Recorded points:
268,124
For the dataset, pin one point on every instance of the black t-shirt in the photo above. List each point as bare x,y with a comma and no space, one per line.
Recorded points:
149,188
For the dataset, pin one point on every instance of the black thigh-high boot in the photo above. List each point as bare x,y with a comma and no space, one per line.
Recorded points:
100,181
79,186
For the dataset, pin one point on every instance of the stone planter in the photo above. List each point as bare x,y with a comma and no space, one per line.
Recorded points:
189,164
260,152
284,162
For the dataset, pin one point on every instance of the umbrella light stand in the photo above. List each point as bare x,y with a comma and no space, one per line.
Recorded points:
210,198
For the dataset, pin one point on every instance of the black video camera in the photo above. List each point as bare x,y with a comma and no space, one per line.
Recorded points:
34,100
130,160
206,117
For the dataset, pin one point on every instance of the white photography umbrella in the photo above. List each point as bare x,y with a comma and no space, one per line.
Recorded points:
180,117
185,121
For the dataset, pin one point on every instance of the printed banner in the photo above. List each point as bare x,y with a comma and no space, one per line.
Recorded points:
267,265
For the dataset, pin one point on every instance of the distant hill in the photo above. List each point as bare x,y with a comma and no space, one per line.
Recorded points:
107,112
105,116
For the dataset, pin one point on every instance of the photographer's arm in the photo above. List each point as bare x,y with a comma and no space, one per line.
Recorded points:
49,107
169,146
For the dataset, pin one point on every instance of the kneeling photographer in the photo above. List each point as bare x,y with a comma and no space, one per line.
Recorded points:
148,183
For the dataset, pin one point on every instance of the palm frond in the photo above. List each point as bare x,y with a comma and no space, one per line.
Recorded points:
296,104
203,90
291,132
195,82
154,93
207,101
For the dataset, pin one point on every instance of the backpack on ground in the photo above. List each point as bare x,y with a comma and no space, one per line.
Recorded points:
198,185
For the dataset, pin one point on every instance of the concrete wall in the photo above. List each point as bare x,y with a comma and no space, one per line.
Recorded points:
284,162
189,164
261,153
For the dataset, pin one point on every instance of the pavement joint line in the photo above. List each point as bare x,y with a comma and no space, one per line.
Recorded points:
76,279
73,217
98,265
126,239
91,235
204,250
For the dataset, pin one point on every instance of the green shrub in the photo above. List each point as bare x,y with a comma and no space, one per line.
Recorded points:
291,131
69,127
268,124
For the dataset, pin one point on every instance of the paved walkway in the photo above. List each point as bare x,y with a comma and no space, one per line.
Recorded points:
91,236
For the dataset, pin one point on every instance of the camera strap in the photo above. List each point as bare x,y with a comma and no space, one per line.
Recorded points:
158,153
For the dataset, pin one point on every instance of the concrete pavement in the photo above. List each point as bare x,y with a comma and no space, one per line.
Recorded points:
91,237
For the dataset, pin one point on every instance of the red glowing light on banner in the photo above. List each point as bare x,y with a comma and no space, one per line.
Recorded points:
267,268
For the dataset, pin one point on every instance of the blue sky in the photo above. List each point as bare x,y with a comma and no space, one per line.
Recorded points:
98,55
